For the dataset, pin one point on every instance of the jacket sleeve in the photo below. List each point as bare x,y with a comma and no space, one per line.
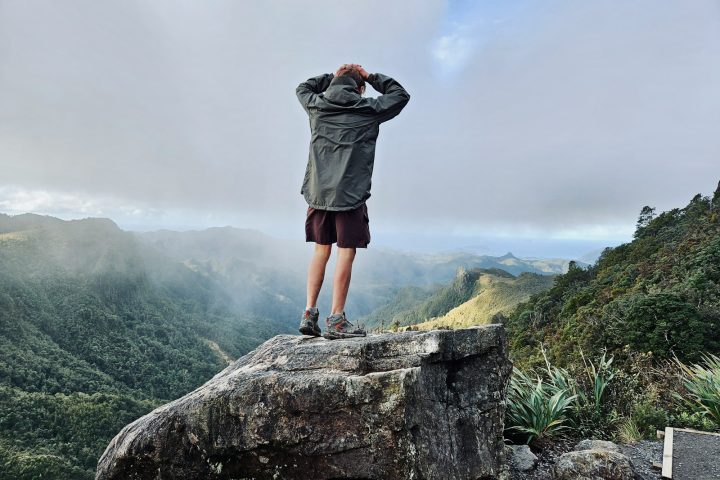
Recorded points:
310,88
393,99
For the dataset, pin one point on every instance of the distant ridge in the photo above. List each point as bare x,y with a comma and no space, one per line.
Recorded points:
472,298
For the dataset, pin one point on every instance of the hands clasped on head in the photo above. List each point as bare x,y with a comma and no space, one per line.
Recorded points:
352,66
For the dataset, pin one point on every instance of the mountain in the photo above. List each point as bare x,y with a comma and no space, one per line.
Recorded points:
96,329
659,293
477,293
100,325
494,297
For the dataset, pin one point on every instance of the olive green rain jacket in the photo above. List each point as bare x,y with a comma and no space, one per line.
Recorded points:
344,126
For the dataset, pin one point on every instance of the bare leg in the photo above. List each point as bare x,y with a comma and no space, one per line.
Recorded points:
316,273
341,283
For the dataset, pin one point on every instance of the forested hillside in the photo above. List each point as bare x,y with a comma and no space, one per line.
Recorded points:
95,330
494,296
659,293
480,293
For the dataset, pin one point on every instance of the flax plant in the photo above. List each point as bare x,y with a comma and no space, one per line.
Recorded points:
702,381
536,409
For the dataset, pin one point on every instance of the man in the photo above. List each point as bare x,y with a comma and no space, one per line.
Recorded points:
344,127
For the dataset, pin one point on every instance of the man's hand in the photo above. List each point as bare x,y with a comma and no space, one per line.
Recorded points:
364,74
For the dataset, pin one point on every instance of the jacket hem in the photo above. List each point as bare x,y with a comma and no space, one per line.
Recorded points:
334,208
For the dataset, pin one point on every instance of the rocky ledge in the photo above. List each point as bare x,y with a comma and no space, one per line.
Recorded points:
412,405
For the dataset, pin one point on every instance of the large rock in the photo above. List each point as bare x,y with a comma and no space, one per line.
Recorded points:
594,464
413,405
591,444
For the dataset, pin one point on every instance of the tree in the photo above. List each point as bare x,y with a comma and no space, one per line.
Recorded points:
646,216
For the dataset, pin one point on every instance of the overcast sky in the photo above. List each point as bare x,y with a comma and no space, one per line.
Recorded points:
528,119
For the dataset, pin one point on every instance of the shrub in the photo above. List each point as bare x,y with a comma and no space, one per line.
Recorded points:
649,418
694,420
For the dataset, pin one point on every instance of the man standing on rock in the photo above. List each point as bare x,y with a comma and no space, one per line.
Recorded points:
344,127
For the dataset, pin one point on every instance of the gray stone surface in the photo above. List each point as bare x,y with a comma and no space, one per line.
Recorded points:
413,405
522,458
597,445
594,465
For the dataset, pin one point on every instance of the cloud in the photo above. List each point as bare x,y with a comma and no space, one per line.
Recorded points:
17,200
547,117
453,50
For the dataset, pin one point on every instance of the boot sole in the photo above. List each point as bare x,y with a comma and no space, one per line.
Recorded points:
309,331
337,336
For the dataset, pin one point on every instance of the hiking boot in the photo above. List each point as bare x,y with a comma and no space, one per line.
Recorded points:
338,326
309,322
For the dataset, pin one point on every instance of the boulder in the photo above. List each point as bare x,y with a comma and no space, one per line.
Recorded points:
597,445
522,458
412,405
594,465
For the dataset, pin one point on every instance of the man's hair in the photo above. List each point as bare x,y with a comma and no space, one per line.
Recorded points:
352,73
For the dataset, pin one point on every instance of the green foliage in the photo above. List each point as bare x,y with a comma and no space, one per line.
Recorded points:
96,329
599,379
536,409
591,415
649,418
495,289
554,400
39,462
41,432
702,382
665,323
629,432
695,420
646,216
660,293
644,303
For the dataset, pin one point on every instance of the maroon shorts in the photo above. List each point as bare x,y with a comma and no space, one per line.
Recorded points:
349,228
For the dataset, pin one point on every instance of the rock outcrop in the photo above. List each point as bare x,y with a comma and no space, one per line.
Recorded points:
413,405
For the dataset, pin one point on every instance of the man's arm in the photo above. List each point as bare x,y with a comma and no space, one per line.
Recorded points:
393,99
310,88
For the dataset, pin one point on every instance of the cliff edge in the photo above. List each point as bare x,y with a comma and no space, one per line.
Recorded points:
412,405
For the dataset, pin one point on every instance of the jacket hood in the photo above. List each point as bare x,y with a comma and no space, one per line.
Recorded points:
342,91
